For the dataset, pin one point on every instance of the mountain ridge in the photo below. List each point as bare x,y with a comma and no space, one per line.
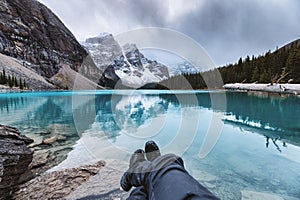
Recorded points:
125,65
33,34
279,66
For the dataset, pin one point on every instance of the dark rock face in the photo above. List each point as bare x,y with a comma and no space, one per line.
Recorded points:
30,31
109,78
15,156
134,56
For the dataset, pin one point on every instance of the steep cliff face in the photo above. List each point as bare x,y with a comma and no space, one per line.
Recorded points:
30,31
36,37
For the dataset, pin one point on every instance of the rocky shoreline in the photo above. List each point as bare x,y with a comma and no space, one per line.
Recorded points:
25,174
58,184
15,156
24,165
6,89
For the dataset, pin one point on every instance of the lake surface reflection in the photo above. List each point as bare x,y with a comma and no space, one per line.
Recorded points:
257,149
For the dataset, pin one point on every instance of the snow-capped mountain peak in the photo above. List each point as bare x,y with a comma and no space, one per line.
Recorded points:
127,62
184,68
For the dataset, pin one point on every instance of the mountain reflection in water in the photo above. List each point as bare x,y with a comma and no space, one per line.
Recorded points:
273,116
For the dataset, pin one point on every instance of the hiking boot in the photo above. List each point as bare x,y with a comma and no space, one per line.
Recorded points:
152,150
137,156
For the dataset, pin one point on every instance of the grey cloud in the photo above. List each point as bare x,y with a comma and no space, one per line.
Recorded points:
226,29
230,29
91,17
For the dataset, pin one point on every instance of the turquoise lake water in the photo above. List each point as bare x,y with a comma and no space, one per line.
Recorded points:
231,142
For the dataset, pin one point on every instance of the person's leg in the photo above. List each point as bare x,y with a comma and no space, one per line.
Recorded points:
138,193
170,180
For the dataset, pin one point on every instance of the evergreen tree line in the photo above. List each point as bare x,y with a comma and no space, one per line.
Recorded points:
12,81
211,79
280,66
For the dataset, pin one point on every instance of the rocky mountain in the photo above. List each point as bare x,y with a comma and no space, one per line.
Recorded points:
125,65
183,68
35,36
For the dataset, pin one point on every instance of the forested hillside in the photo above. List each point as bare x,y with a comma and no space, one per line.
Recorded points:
12,81
282,65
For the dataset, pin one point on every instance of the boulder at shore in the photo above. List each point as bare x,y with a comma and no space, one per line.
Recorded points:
57,184
15,157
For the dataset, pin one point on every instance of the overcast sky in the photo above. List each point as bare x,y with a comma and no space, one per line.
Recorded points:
227,29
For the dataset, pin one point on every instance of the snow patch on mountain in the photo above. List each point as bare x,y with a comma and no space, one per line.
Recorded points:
183,68
176,64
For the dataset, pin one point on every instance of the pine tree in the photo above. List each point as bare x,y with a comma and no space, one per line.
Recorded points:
20,84
25,85
16,84
10,81
255,75
293,65
1,78
4,77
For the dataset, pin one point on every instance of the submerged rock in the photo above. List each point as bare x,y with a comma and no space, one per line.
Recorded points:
40,158
15,157
51,147
251,195
50,140
203,176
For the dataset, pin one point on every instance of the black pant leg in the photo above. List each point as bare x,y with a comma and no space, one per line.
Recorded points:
138,193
